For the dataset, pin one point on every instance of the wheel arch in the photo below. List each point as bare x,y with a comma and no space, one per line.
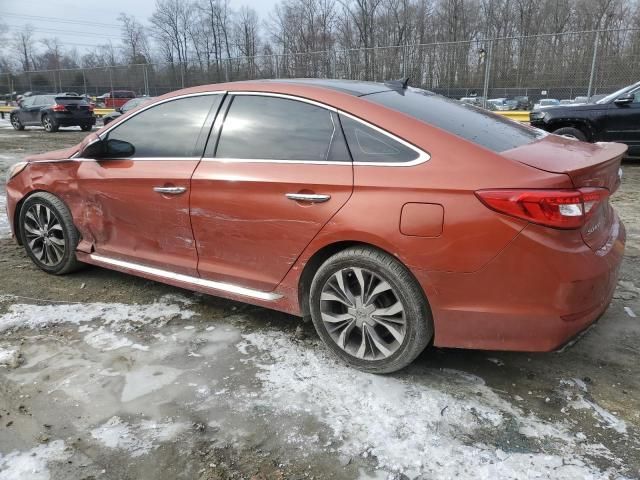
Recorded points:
581,124
320,256
18,208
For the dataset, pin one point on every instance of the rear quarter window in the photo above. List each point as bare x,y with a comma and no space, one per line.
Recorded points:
471,123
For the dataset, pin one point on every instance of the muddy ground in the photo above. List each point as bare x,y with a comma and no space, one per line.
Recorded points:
109,376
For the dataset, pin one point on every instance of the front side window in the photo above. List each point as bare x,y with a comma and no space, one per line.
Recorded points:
170,129
368,145
27,102
271,128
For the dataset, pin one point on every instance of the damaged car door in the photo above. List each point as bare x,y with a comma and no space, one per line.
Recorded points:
137,201
279,171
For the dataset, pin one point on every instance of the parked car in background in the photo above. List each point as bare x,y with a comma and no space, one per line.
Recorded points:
580,100
116,98
53,112
477,101
614,118
502,104
566,101
130,105
522,102
263,192
546,103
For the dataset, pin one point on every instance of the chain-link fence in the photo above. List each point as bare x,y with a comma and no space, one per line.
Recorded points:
561,66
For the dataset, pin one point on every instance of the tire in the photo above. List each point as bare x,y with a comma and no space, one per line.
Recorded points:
571,132
86,128
49,124
353,333
51,239
16,123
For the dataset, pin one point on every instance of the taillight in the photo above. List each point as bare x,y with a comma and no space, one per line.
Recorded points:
552,208
59,108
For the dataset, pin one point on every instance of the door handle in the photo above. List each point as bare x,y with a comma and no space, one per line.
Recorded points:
308,197
170,190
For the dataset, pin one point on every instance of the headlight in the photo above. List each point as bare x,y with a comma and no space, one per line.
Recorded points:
537,115
15,169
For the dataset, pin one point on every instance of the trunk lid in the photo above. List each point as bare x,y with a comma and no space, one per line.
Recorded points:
587,165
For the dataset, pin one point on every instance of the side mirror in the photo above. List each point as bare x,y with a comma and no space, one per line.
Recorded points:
625,99
110,148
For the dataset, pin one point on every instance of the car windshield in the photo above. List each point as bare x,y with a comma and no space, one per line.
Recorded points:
611,97
473,124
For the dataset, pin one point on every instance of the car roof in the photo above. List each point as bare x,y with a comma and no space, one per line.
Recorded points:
357,88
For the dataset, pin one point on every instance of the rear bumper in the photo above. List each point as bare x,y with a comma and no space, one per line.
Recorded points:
74,121
537,294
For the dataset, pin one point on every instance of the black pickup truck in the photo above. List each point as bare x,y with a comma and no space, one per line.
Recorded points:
614,118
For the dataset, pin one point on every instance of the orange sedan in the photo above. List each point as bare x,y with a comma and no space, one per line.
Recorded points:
391,216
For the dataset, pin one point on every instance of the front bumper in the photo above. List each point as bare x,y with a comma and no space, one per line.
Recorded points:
538,293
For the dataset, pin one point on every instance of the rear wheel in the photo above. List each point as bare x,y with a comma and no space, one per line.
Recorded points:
16,123
49,124
571,132
48,233
369,310
86,128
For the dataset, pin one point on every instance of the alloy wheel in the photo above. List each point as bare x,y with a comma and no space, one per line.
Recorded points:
47,123
44,234
363,314
15,122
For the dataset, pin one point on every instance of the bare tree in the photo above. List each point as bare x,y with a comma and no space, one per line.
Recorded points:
134,39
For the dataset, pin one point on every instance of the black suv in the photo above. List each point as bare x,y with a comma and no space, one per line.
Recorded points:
614,118
53,112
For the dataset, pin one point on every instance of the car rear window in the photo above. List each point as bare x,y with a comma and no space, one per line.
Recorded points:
66,100
474,124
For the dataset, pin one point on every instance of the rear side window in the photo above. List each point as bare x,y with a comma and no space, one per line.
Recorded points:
368,145
271,128
170,129
41,100
474,124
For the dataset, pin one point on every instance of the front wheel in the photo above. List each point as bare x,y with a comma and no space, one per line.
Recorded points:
369,310
571,132
86,128
49,124
16,123
48,233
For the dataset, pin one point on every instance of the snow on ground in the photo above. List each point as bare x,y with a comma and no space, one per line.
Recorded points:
118,316
106,341
138,439
9,357
32,464
575,391
447,428
4,220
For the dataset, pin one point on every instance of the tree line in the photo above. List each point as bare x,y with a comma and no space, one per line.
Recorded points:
436,42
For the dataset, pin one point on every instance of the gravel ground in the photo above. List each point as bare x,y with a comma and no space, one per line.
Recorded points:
109,376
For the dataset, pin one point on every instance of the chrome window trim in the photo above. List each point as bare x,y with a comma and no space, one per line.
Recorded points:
82,159
155,104
285,96
212,284
266,160
422,155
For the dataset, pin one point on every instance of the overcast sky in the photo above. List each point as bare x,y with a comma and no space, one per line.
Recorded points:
46,16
